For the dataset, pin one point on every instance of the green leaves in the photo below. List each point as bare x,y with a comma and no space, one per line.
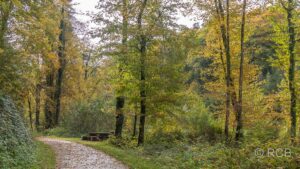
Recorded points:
16,146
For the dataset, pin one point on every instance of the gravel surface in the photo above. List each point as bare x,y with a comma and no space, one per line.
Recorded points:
70,155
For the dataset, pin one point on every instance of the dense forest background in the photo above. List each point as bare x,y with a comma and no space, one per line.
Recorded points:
206,96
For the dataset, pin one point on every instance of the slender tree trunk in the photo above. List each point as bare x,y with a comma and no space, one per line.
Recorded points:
134,125
292,42
239,127
135,121
30,112
86,71
142,93
37,106
228,70
58,95
120,98
222,57
62,62
120,116
230,89
86,59
225,38
227,101
143,54
49,106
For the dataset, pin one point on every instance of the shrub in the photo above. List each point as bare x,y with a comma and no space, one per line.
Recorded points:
16,146
125,142
86,117
200,123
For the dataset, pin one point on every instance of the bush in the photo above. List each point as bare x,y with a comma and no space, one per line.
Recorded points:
86,117
125,142
58,131
201,124
16,146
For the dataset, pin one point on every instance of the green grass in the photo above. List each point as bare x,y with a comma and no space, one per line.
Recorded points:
45,157
129,157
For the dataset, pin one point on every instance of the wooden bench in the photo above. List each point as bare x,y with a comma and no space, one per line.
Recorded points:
97,136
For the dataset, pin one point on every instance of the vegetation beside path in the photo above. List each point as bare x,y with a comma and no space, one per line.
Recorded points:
200,155
45,156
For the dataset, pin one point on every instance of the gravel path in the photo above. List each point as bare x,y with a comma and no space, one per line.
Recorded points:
70,155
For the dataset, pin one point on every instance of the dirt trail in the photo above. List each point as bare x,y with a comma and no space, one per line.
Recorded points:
70,155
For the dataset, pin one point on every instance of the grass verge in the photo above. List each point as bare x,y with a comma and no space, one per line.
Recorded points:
45,156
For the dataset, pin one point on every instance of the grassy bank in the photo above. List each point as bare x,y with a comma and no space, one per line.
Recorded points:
45,157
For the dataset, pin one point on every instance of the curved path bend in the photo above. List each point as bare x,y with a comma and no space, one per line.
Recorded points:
70,155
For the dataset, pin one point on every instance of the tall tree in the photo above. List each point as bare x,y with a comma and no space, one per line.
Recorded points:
224,24
30,112
143,54
37,106
290,11
62,64
224,32
49,103
121,99
239,127
114,18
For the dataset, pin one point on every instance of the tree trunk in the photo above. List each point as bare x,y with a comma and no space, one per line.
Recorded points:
62,62
292,41
86,71
143,54
142,93
225,38
120,116
119,111
239,127
30,112
37,106
135,121
230,89
49,106
134,125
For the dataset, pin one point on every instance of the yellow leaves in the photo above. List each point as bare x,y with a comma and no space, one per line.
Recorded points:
16,3
52,57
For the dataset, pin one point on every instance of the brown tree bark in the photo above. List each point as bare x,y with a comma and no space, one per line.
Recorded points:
230,89
60,72
120,116
290,10
30,112
239,127
135,121
37,106
143,54
121,99
49,102
221,18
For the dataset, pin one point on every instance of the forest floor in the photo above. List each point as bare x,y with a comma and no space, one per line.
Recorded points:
70,155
